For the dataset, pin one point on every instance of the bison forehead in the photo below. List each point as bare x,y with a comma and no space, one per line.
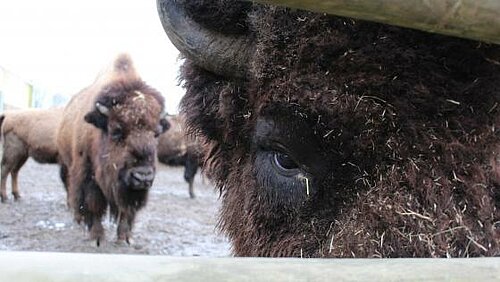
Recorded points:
139,109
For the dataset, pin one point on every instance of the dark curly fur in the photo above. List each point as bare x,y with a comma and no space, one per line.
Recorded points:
230,14
396,130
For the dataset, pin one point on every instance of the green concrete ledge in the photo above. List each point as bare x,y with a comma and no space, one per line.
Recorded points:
75,267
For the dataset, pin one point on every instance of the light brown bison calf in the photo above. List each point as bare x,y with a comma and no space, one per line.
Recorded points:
107,144
27,133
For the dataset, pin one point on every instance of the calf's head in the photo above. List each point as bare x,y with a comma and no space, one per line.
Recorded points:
129,117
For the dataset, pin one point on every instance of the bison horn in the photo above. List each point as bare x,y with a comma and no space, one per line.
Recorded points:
102,109
226,55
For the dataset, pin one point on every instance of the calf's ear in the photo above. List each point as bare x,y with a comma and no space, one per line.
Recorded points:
98,116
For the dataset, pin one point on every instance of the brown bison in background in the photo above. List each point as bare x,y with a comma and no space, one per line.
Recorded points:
175,148
107,144
27,133
333,137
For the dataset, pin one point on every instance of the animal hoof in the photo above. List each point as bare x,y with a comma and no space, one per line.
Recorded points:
93,242
125,238
97,234
17,197
119,243
122,241
129,241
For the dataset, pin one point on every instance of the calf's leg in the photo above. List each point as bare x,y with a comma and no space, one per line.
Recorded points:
3,188
86,198
63,174
15,186
94,209
14,155
125,222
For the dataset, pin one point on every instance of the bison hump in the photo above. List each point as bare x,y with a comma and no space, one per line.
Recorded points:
121,68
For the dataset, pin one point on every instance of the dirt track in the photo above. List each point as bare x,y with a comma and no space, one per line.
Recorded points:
170,224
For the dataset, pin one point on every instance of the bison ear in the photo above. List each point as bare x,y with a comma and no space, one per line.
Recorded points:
98,117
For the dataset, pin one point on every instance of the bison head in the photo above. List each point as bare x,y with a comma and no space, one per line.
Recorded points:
334,137
130,120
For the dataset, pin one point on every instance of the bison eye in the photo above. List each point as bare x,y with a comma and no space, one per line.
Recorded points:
284,162
117,134
282,178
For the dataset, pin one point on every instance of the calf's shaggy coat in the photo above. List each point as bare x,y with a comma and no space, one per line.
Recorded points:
107,144
351,139
24,134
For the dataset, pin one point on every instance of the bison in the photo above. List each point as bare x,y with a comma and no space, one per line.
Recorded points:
27,133
335,137
107,145
175,148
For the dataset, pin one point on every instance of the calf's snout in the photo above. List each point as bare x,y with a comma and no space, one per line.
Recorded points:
141,178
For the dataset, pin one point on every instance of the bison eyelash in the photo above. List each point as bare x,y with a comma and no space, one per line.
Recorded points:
277,149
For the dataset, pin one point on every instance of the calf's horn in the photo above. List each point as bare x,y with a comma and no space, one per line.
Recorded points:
102,109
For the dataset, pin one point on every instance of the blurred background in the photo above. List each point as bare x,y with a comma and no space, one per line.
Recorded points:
51,49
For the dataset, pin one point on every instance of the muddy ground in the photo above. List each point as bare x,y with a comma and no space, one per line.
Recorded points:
170,224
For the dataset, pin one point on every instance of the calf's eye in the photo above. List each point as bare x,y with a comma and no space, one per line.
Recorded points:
117,134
